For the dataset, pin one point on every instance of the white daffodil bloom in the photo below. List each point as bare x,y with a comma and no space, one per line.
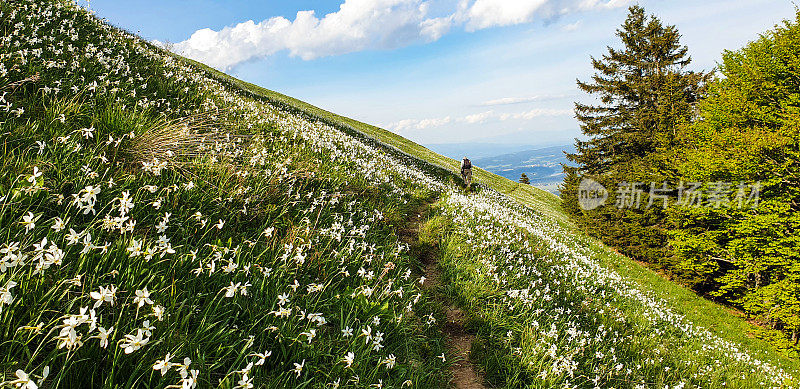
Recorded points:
310,335
190,380
135,248
132,343
366,332
245,382
28,221
163,365
298,367
106,294
158,312
262,357
23,381
390,361
231,289
283,299
73,237
125,203
103,335
142,298
35,176
59,224
6,298
147,328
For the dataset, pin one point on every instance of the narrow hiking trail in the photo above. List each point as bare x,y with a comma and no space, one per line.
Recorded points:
459,340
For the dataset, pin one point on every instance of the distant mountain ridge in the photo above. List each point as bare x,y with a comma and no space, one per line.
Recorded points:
542,165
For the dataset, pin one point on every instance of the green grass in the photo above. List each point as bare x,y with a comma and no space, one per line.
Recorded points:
721,320
244,198
174,216
605,330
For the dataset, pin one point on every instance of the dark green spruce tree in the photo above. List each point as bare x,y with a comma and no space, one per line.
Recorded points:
523,179
644,95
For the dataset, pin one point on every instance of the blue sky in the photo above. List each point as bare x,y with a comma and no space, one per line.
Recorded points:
435,71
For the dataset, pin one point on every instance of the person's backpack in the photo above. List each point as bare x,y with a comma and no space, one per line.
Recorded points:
467,164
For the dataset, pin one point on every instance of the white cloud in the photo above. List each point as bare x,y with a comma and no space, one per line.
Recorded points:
435,28
357,25
363,25
519,100
493,13
571,26
476,118
535,113
418,124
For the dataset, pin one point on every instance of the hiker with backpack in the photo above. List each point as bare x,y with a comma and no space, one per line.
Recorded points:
466,172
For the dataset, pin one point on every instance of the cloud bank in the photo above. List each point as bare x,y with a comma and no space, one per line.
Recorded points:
520,100
476,118
365,25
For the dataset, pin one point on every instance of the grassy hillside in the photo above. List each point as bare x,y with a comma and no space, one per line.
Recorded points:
720,320
526,194
164,225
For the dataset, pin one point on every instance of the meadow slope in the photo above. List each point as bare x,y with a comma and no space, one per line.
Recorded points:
162,224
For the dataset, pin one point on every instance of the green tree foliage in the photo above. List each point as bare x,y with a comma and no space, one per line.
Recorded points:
523,179
645,95
749,131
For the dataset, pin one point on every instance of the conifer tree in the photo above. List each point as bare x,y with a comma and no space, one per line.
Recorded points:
524,179
644,93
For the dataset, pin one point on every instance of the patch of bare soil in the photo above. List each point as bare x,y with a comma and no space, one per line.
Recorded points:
459,340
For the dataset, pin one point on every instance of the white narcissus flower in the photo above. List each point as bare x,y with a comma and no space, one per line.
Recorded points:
73,237
5,294
90,194
245,382
190,380
125,203
147,328
261,357
283,299
390,361
87,244
367,333
158,312
132,343
310,334
348,359
105,294
142,298
163,365
135,248
36,174
29,222
87,132
103,335
298,367
23,381
231,289
59,225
